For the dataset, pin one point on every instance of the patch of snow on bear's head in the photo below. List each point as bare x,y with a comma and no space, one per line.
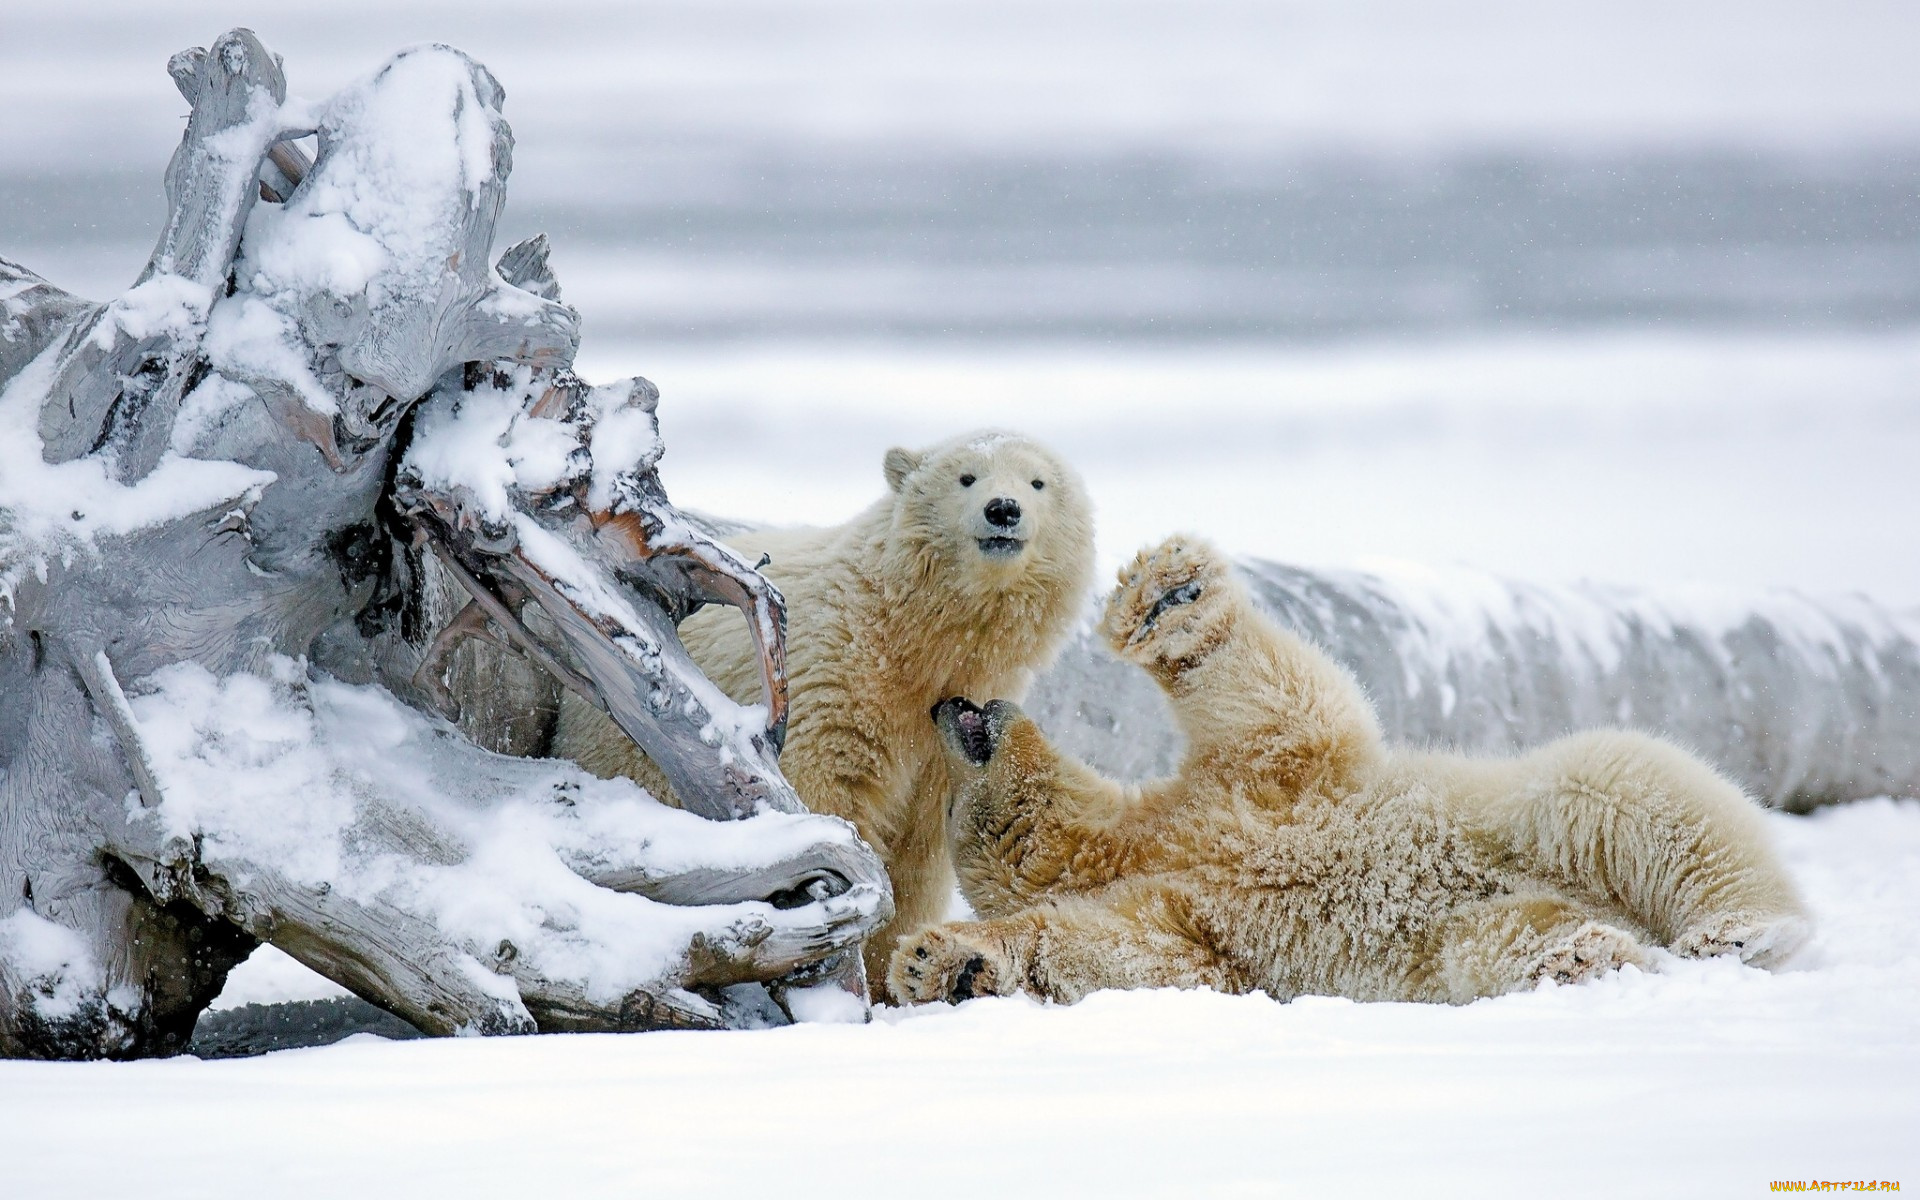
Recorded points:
994,512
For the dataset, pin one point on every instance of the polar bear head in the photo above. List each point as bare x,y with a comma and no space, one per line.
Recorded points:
982,742
1001,770
994,514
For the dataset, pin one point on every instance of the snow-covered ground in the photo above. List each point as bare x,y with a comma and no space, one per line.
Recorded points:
1700,1079
1735,460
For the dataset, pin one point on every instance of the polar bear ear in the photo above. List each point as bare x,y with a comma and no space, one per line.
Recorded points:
899,464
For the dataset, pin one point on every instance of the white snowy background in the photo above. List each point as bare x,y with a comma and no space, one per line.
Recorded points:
1626,292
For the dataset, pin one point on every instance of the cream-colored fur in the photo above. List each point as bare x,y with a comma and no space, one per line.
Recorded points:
887,614
1295,852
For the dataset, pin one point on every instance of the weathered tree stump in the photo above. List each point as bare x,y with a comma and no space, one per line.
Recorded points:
220,496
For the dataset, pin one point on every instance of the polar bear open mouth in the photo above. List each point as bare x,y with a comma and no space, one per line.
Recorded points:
1001,547
966,724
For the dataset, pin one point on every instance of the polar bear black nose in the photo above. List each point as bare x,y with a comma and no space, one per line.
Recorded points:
1003,513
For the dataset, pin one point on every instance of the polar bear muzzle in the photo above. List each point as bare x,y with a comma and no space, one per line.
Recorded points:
1002,536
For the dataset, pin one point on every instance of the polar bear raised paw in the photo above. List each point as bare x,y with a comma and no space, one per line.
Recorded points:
1171,601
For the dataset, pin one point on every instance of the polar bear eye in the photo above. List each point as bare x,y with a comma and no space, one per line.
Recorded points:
966,481
1037,485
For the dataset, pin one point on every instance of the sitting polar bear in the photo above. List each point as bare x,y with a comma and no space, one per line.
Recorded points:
966,577
1296,853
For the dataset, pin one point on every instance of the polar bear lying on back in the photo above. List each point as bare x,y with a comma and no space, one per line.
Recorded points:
965,577
1297,853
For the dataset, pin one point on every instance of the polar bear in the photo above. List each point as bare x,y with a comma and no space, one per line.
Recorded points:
1296,853
967,576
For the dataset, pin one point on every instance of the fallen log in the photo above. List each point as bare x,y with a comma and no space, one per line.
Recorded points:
1801,701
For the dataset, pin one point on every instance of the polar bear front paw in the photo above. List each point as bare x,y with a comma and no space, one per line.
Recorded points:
1167,600
947,964
1592,949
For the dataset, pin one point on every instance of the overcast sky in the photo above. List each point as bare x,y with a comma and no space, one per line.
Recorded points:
86,82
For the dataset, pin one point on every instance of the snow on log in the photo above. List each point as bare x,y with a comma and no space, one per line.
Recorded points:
219,589
487,894
116,389
1802,702
547,486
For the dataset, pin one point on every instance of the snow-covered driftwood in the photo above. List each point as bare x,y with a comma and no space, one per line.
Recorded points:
223,497
1803,702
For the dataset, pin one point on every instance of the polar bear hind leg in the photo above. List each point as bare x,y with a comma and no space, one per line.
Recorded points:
1513,942
1641,823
